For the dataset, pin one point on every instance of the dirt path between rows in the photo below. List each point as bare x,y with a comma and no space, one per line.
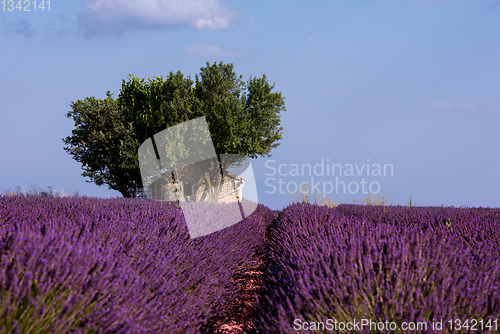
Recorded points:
240,317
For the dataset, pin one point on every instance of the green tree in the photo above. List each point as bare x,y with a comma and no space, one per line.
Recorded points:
243,118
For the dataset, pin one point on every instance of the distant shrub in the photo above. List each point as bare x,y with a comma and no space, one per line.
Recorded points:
371,199
36,191
306,196
410,202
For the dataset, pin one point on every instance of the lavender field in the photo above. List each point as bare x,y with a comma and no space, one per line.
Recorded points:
90,265
395,264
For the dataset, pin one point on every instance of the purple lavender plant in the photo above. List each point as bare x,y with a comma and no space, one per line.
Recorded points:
89,265
402,265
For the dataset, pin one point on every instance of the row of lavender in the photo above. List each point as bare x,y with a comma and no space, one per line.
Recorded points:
382,269
88,265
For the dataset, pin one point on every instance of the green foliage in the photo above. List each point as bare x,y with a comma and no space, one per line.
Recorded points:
410,202
42,312
243,118
103,141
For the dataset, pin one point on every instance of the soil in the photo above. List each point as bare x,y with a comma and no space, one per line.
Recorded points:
240,317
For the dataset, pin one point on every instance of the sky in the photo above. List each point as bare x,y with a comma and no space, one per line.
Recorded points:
395,97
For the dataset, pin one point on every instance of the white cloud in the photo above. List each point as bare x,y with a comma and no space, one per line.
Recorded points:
115,16
495,4
209,50
312,40
444,104
449,105
492,108
467,106
21,27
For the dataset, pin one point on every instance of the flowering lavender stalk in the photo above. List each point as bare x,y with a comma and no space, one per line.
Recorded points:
89,265
401,265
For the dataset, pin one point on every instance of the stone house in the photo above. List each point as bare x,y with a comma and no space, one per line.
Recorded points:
194,185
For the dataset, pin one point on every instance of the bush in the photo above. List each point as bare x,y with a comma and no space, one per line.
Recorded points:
36,191
306,196
371,199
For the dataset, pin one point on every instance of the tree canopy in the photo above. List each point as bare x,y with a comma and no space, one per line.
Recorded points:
243,118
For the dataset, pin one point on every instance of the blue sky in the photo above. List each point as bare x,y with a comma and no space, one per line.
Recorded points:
412,84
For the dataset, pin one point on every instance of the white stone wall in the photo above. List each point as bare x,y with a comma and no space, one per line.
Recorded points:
196,180
231,182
